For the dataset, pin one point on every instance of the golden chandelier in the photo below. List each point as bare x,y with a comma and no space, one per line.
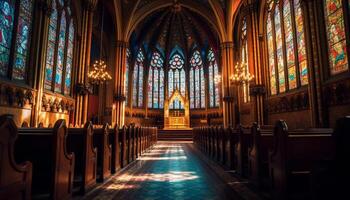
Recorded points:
98,73
241,74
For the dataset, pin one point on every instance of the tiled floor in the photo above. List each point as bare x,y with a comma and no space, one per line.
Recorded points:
168,171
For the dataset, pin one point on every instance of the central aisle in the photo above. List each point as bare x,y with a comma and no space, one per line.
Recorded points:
168,171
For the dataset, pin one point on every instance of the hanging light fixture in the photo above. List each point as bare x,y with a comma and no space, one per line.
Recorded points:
98,73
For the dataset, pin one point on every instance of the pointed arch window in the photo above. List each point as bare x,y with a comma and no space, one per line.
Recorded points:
176,78
244,59
59,52
126,84
197,82
137,97
286,46
336,36
15,22
214,95
156,82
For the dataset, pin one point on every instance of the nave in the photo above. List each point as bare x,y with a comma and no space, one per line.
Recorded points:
167,171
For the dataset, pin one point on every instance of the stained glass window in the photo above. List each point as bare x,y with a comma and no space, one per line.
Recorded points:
138,80
21,33
279,52
69,61
177,78
7,9
127,76
214,98
22,40
289,42
244,59
197,82
300,35
50,52
335,27
156,82
282,33
59,52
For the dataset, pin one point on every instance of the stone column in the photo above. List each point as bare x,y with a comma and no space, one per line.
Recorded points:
227,60
119,83
83,62
257,90
40,36
315,64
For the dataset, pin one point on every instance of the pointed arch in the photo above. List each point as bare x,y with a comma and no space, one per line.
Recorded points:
197,82
138,74
156,82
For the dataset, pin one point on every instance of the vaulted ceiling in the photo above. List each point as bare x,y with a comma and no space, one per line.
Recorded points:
174,26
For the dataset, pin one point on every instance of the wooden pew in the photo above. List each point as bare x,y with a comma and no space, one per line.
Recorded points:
116,152
133,143
16,179
222,145
232,137
129,143
53,166
80,142
241,142
258,151
104,154
293,156
123,146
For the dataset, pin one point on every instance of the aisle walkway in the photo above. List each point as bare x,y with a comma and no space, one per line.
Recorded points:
168,171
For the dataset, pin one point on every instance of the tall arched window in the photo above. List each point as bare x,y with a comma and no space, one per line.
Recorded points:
18,24
286,46
126,85
197,82
244,59
137,96
59,53
176,78
336,36
156,82
214,96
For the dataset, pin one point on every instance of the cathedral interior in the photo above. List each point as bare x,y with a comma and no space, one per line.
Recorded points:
174,99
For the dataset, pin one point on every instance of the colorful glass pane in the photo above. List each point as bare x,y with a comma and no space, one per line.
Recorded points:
338,59
60,53
271,55
192,96
300,35
150,88
289,41
214,100
279,52
127,76
161,88
177,76
22,39
68,77
197,88
138,80
50,52
156,89
7,9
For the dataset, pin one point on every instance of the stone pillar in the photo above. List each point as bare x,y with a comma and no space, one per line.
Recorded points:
255,40
119,83
312,35
40,33
83,63
227,60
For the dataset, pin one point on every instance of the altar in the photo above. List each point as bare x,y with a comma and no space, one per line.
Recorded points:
178,118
